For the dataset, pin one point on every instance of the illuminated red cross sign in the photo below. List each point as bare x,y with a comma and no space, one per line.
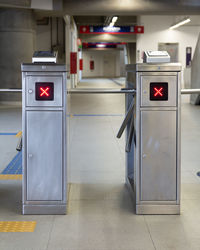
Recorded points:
158,91
44,91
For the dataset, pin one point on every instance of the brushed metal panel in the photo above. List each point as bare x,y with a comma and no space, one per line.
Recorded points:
158,209
44,155
145,90
195,74
42,67
44,209
154,67
30,91
158,169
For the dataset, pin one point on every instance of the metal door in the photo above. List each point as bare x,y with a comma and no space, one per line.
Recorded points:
44,155
109,62
158,155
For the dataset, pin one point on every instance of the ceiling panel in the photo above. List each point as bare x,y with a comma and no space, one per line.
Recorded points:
131,7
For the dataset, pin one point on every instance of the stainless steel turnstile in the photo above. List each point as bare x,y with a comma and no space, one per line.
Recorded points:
44,139
153,156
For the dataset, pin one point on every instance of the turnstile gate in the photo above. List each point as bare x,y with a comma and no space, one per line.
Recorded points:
153,156
44,138
153,136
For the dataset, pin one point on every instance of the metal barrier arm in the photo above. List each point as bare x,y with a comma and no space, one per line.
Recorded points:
190,91
102,91
107,91
19,145
10,90
130,135
126,119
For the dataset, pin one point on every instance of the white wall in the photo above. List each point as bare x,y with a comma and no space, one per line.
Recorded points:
156,30
43,42
43,37
98,57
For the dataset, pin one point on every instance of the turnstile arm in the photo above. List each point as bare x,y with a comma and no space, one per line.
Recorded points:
130,135
10,90
126,119
19,145
190,91
101,91
129,115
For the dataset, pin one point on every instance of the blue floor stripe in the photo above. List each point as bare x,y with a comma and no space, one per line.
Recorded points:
97,115
68,115
15,166
8,133
117,82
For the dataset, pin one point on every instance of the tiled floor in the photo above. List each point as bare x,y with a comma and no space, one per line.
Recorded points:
100,210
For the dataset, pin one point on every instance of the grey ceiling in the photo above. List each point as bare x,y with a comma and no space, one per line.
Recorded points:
104,20
131,7
110,7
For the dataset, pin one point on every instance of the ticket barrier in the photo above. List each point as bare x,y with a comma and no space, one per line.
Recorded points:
44,138
152,140
153,137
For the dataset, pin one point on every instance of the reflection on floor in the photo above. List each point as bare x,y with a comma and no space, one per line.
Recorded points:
100,211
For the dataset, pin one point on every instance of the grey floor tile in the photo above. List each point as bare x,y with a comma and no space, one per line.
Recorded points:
190,191
100,225
99,191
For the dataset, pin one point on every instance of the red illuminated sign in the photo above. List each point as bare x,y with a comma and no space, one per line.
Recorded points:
81,64
44,91
73,63
158,91
91,65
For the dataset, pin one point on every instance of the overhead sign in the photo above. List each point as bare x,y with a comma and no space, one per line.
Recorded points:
111,30
101,45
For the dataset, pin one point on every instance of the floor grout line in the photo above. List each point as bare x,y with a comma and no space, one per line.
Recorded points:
50,232
149,232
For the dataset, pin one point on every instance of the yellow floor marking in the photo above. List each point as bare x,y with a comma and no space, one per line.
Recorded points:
19,134
10,176
17,226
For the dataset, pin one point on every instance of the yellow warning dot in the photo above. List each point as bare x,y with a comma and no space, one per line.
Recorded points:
17,226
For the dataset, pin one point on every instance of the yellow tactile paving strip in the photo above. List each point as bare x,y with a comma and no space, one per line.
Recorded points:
17,226
19,134
10,176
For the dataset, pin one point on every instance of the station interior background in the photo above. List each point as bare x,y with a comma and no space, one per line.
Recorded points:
100,211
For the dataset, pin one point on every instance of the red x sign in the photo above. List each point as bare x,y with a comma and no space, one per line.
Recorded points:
44,91
158,91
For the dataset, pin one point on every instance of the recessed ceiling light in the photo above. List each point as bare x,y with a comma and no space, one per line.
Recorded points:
187,20
114,19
